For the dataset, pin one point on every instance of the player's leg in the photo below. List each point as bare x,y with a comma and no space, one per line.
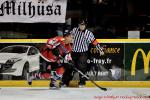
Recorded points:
56,74
29,78
33,75
82,66
42,73
67,76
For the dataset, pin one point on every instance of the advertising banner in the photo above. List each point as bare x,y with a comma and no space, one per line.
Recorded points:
137,59
18,58
107,67
31,11
121,62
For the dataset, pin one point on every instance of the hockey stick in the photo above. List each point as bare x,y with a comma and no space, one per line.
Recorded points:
78,72
102,88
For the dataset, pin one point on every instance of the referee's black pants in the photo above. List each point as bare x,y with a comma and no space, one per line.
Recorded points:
80,60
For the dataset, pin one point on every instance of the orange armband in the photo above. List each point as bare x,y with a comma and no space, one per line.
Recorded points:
95,42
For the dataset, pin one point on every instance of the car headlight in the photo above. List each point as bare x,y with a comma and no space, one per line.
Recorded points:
13,60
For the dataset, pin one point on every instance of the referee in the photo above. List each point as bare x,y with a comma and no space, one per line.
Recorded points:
82,37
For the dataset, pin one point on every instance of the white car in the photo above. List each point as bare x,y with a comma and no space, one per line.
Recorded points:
18,60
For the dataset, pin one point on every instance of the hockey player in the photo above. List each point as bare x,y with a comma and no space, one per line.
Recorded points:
56,48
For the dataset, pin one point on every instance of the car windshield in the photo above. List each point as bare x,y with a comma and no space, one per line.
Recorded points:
14,49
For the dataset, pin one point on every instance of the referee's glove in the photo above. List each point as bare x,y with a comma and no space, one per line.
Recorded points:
100,49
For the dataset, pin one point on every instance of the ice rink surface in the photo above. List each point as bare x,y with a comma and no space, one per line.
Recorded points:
43,93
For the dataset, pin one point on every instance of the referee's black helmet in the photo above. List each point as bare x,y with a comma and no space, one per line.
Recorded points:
83,22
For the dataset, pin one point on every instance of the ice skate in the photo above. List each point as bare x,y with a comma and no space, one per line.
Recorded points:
54,86
61,84
29,78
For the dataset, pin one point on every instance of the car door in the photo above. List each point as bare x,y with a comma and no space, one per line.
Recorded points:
33,58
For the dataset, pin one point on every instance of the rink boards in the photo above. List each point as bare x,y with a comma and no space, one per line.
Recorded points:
45,83
132,75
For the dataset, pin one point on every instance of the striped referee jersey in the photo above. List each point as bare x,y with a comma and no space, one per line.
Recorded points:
81,40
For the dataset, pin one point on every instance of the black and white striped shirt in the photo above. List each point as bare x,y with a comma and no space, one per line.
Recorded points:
82,39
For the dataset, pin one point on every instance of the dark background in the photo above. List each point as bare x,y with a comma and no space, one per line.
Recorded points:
106,19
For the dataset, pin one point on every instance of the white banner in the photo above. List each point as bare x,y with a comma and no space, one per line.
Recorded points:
32,11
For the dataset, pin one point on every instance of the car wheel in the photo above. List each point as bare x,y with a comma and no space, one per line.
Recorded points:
25,70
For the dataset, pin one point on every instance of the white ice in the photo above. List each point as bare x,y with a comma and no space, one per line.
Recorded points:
43,93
